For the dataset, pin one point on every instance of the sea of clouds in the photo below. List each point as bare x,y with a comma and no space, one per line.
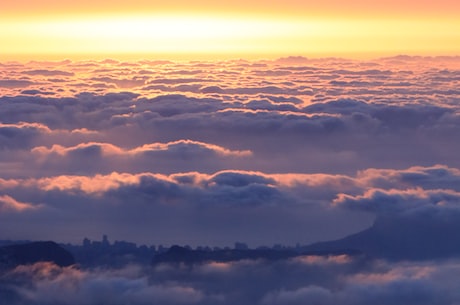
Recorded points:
288,151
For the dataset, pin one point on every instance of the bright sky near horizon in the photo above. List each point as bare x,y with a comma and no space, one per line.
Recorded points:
208,29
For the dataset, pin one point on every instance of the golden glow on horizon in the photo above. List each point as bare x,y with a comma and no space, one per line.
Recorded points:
183,36
331,8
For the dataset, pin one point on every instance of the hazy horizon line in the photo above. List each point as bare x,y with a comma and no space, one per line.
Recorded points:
135,57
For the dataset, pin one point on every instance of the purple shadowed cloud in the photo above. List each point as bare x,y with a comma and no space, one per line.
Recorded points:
289,151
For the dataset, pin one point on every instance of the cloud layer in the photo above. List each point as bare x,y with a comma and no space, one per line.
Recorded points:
304,280
294,144
209,153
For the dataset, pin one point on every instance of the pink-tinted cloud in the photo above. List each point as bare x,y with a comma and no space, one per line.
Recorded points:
289,151
294,150
9,204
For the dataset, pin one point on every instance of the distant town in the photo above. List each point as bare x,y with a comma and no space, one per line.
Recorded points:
103,253
118,253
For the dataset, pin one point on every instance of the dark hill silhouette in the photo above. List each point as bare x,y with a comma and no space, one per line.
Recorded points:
178,254
30,253
400,238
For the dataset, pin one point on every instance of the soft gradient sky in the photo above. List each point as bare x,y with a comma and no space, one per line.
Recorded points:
226,29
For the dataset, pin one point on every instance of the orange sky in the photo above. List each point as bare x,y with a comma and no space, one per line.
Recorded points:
238,28
385,7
